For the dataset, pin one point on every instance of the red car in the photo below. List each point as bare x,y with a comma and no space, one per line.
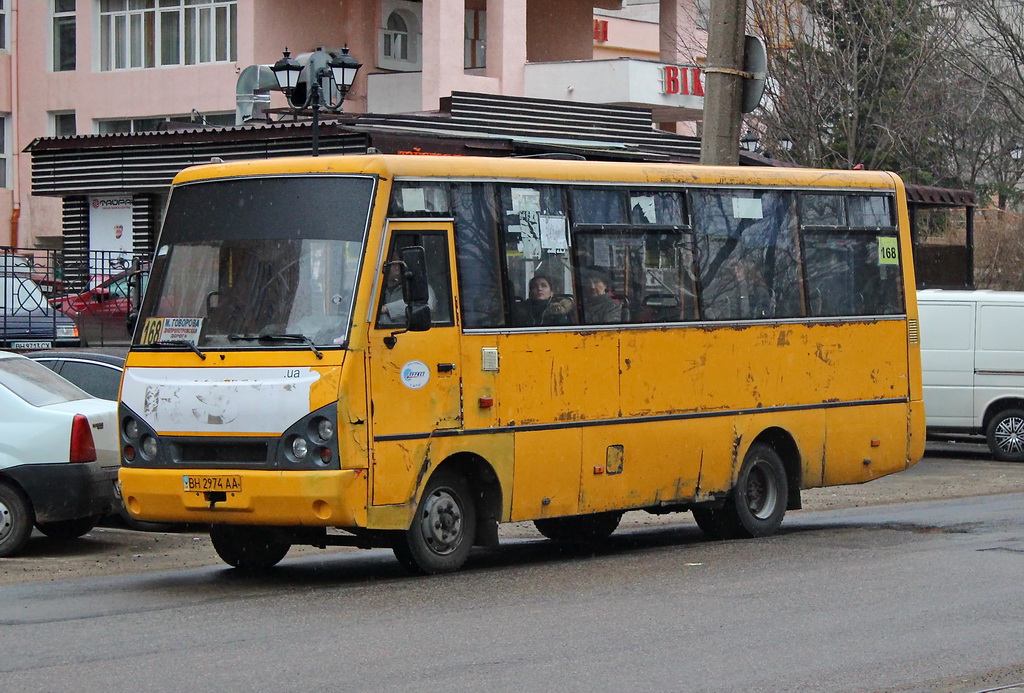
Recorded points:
101,313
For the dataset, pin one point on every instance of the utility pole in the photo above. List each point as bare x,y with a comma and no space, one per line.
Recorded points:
720,140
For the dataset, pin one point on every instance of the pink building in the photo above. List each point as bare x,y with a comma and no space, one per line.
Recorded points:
101,67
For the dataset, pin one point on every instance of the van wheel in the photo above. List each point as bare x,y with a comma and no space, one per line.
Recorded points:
1006,435
757,503
443,530
579,529
15,520
247,548
68,529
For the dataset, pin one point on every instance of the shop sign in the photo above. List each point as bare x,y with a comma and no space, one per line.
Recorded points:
685,80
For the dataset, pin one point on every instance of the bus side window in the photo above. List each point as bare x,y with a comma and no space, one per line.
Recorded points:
639,241
538,261
478,254
845,272
747,253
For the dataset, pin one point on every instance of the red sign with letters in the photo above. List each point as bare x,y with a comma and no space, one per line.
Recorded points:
687,81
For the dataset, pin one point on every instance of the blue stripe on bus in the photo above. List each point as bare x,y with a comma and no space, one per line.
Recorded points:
448,432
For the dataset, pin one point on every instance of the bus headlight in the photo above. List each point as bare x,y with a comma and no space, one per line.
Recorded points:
149,446
131,429
299,448
325,429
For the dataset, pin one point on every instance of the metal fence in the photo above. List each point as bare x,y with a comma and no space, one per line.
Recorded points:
50,300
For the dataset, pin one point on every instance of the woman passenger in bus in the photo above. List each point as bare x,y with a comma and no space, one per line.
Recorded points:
542,308
598,306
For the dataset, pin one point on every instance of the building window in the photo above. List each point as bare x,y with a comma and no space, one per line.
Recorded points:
148,33
4,148
396,38
63,124
398,45
129,125
3,25
476,39
63,38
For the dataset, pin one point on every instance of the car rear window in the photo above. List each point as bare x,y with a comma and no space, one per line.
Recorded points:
37,384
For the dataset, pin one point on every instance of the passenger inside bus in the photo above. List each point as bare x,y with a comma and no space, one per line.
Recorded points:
542,307
599,307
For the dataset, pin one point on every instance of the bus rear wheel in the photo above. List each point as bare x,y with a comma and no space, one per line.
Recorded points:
757,503
247,548
579,529
1006,435
443,530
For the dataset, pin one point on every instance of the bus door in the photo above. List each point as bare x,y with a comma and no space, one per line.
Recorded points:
415,377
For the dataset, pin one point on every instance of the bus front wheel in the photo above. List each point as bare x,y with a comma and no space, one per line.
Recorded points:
757,503
247,548
443,530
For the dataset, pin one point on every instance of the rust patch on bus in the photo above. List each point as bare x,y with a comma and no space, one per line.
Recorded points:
421,473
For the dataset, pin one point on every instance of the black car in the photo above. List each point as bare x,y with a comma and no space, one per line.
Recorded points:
97,373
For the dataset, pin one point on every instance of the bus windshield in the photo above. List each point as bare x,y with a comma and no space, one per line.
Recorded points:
279,269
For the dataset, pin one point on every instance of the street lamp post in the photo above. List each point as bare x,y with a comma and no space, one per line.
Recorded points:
749,141
328,79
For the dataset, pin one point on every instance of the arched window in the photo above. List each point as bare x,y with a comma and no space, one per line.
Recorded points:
396,38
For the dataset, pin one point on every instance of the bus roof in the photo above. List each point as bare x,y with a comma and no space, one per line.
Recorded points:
464,167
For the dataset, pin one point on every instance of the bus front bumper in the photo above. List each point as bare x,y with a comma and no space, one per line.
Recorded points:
250,497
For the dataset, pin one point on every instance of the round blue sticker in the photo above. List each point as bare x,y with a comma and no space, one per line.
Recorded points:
415,375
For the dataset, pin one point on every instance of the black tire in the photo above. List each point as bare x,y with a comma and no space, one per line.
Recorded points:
443,529
711,521
579,529
1005,435
15,520
247,548
756,504
68,529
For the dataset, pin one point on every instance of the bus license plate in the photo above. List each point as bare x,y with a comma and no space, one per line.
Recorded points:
198,483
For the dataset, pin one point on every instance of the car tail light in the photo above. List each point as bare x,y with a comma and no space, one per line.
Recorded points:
83,449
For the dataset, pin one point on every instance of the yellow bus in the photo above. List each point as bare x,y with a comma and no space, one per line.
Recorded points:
408,351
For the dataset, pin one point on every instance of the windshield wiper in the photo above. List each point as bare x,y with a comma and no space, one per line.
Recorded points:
179,343
288,337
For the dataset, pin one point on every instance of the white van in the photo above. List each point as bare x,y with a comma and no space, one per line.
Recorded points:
972,358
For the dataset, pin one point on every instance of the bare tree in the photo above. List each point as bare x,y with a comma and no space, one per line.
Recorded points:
853,81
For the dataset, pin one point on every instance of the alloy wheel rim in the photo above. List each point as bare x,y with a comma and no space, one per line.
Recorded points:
1009,435
441,523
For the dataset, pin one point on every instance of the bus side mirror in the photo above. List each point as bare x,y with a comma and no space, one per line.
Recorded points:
414,278
415,292
418,317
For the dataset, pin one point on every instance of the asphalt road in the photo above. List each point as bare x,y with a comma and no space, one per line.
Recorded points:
907,596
